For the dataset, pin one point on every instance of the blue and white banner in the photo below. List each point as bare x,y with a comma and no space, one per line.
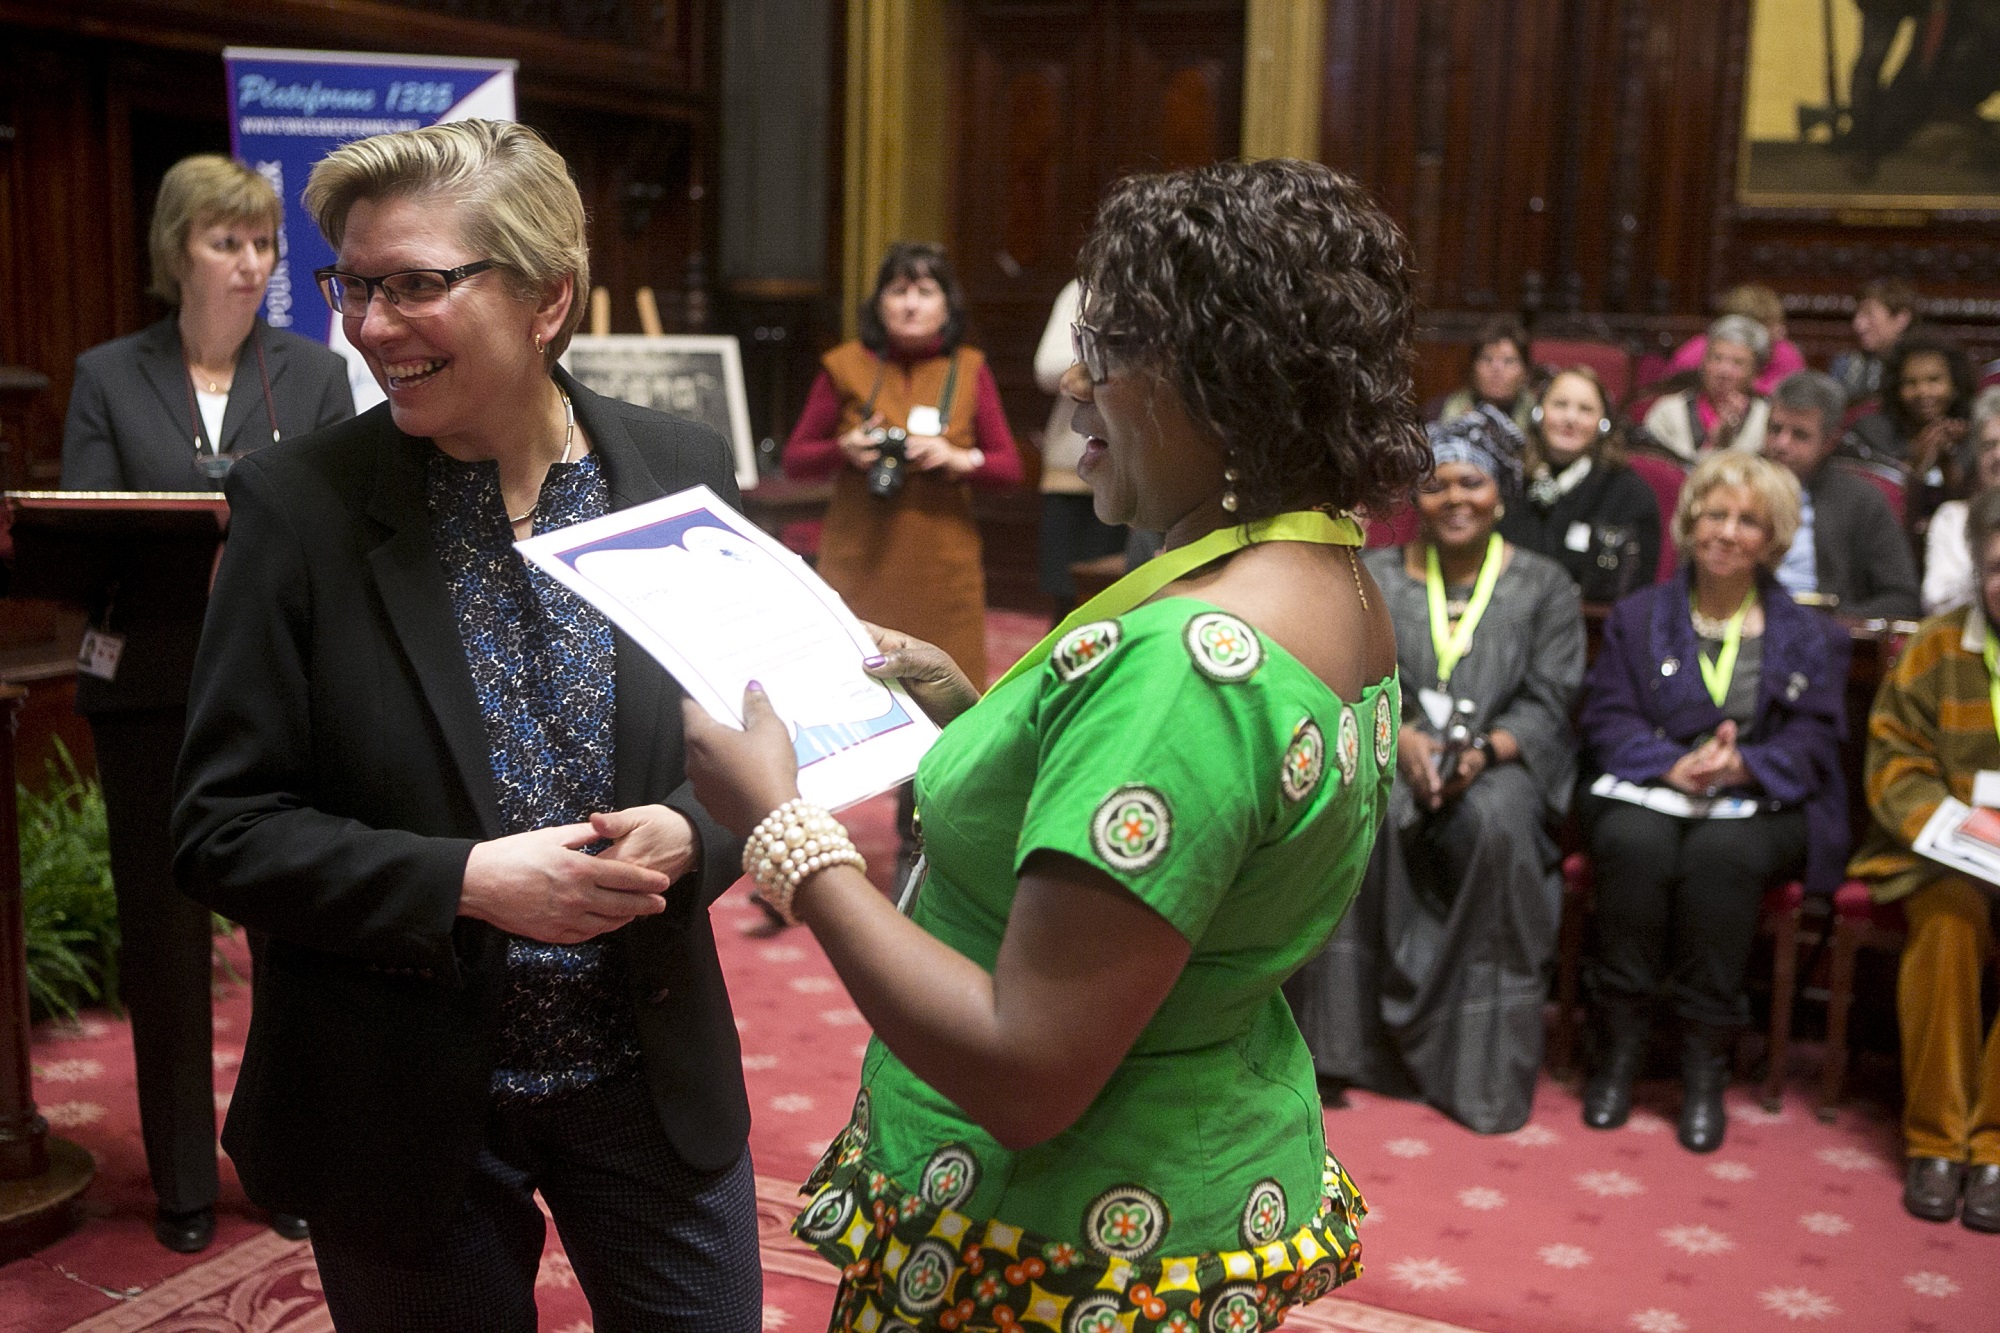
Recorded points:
289,109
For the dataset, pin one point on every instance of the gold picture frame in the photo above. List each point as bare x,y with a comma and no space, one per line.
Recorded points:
1925,132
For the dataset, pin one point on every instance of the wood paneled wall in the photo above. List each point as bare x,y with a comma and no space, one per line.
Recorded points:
99,97
1575,161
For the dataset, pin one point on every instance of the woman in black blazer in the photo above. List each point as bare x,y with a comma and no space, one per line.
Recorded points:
165,409
403,746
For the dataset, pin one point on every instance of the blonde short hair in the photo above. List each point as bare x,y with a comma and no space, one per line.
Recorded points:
1776,489
522,210
196,191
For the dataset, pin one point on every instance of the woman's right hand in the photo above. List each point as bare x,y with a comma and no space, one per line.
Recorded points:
538,885
859,445
926,671
1417,757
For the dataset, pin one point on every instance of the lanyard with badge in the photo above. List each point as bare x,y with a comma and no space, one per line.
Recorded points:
1717,674
1140,586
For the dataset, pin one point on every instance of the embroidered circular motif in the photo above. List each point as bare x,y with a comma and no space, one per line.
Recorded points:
926,1276
828,1216
1264,1214
1223,647
1131,828
859,1124
1347,745
1235,1311
1304,763
1321,1278
1094,1314
1385,731
1125,1222
1084,648
950,1176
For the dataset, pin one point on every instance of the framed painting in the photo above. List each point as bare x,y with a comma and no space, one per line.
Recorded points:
1872,105
687,375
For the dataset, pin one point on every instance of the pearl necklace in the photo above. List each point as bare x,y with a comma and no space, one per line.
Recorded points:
569,440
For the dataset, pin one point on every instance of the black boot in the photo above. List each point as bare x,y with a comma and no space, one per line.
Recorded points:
1704,1077
1621,1051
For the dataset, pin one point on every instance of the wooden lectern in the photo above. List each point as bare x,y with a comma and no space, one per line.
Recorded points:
81,547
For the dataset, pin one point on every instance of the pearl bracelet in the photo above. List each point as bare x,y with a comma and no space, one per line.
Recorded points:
789,845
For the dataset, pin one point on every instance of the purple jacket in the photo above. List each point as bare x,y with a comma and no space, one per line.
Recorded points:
1644,706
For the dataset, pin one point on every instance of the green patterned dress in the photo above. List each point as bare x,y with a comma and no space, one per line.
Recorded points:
1205,769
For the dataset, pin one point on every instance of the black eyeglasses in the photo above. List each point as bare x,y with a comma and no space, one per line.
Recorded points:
415,292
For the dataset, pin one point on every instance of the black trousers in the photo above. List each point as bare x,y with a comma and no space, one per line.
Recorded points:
654,1243
1676,904
164,962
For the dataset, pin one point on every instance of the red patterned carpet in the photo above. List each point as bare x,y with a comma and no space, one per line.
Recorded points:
1554,1229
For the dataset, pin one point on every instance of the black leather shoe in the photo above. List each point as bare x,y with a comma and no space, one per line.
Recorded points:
1931,1186
1704,1077
291,1226
185,1233
1620,1031
1982,1198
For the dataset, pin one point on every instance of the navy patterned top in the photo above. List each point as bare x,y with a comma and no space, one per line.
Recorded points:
543,666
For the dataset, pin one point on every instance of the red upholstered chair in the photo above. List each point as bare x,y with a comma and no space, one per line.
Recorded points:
1886,477
1650,369
1393,529
1858,923
1778,918
1612,364
1666,478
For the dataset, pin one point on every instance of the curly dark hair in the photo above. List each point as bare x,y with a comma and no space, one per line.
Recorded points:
913,261
1925,342
1275,297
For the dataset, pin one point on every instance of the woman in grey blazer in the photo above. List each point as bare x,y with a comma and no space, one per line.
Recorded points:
166,409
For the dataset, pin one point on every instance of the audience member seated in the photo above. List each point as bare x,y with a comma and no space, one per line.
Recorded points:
1882,315
1753,301
1723,411
1499,374
1922,423
1947,559
1433,983
1583,507
1849,546
1931,735
1714,715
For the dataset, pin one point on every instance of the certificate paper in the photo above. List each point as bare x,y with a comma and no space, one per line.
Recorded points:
1963,838
720,603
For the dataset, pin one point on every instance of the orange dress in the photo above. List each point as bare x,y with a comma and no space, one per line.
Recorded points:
911,563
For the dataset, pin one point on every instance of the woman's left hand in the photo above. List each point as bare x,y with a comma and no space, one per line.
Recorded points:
1471,763
652,836
740,776
927,453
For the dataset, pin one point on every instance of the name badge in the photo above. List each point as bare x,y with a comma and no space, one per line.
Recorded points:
98,654
1437,706
1578,537
924,421
1986,790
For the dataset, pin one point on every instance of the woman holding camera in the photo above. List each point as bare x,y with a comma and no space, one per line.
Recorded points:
906,420
1432,986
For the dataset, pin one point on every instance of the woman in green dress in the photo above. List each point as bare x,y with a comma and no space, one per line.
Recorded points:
1086,1106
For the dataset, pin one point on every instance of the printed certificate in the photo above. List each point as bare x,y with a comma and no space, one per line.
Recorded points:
1965,838
720,603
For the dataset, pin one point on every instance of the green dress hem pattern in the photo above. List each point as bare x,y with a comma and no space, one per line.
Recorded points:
910,1263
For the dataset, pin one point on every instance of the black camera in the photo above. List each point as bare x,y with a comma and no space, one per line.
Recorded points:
885,474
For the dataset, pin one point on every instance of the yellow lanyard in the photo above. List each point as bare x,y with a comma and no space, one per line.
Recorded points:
1452,644
1993,677
1308,525
1718,674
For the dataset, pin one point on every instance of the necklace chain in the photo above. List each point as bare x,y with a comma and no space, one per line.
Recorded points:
569,441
